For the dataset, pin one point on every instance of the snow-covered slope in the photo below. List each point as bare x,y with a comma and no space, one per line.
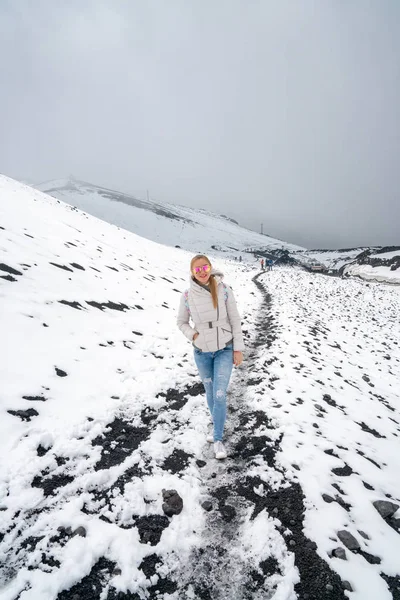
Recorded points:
170,224
90,362
101,409
333,259
375,263
199,230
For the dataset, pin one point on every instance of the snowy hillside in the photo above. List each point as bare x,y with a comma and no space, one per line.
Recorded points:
333,259
170,224
378,264
200,230
102,412
371,263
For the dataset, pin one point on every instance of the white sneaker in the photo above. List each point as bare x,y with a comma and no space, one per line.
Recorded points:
210,438
220,452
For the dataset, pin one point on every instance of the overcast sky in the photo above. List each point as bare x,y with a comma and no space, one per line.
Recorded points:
284,112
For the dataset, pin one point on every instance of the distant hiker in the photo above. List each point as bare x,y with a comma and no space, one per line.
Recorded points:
270,263
240,259
216,336
262,264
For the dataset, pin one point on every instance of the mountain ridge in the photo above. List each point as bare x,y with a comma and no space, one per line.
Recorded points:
201,230
90,197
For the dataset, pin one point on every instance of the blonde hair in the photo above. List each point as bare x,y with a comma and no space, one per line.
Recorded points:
212,283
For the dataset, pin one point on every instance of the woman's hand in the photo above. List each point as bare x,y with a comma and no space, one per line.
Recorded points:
196,335
237,358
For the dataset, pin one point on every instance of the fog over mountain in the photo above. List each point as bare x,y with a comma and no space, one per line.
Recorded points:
278,113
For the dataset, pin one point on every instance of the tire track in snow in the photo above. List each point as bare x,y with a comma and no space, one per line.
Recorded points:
254,537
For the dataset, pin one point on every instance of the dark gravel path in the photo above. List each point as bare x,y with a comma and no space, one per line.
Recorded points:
220,569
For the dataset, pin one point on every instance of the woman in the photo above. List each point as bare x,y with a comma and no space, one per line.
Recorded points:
216,336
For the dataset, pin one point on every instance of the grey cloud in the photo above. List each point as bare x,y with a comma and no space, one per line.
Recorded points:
283,112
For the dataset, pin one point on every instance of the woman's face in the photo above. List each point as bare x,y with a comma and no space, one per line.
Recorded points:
201,270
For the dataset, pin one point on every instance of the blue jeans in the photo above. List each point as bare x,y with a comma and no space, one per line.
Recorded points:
215,370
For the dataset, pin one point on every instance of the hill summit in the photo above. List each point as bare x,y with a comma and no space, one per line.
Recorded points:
193,229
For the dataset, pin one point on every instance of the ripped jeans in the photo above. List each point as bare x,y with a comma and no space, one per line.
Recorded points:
215,370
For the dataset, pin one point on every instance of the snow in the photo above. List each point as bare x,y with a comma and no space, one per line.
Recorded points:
346,260
371,273
103,380
197,230
333,259
317,336
190,228
333,362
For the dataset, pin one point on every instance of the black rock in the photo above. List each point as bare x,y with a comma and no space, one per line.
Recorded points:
371,558
35,398
328,498
395,523
385,509
60,372
339,553
367,485
79,531
363,534
348,540
173,503
343,471
25,415
7,269
207,505
329,400
347,586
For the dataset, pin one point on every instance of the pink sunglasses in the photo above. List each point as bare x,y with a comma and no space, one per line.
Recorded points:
204,268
